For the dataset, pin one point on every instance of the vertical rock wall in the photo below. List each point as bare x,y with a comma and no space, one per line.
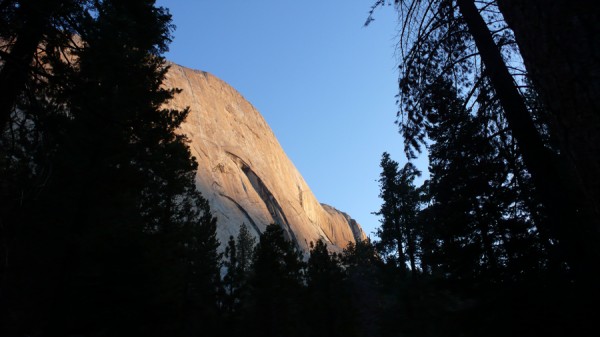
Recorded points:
243,171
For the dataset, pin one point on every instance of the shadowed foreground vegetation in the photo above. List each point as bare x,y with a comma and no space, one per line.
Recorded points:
103,232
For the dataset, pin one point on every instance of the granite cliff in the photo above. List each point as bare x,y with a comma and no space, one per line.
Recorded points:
244,172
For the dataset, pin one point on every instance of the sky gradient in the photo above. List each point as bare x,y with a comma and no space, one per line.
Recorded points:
325,84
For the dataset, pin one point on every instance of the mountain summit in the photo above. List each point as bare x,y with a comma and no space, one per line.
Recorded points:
244,172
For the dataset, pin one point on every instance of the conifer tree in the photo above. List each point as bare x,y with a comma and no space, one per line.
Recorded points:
327,305
398,233
363,268
468,43
237,262
479,211
26,27
273,302
245,248
128,243
231,280
556,41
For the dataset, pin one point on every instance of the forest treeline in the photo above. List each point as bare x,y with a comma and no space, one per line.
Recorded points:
103,232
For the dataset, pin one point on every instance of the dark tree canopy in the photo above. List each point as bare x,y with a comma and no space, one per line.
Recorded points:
510,206
398,233
469,45
103,230
273,304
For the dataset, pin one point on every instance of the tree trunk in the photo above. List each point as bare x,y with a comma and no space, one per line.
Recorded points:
554,187
560,45
399,244
411,247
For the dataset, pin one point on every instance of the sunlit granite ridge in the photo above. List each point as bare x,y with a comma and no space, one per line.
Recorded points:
244,172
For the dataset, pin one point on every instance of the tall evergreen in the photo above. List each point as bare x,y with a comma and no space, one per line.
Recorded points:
468,43
124,242
245,248
398,234
479,238
567,79
363,268
26,27
237,263
328,306
477,207
272,306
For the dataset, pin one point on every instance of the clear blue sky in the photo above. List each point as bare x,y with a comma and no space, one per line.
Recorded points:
325,84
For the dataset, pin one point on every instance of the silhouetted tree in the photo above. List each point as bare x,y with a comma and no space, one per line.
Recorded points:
116,240
398,232
231,280
27,27
467,43
237,262
478,209
245,248
328,305
272,306
556,41
363,268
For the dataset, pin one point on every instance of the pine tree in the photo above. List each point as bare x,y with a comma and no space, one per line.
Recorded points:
273,302
479,212
556,41
25,27
129,245
398,233
237,262
363,267
468,43
245,248
231,280
328,307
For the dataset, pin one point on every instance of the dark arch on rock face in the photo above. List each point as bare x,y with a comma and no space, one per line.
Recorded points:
271,203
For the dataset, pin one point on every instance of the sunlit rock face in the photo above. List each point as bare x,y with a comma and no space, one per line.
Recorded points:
243,171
